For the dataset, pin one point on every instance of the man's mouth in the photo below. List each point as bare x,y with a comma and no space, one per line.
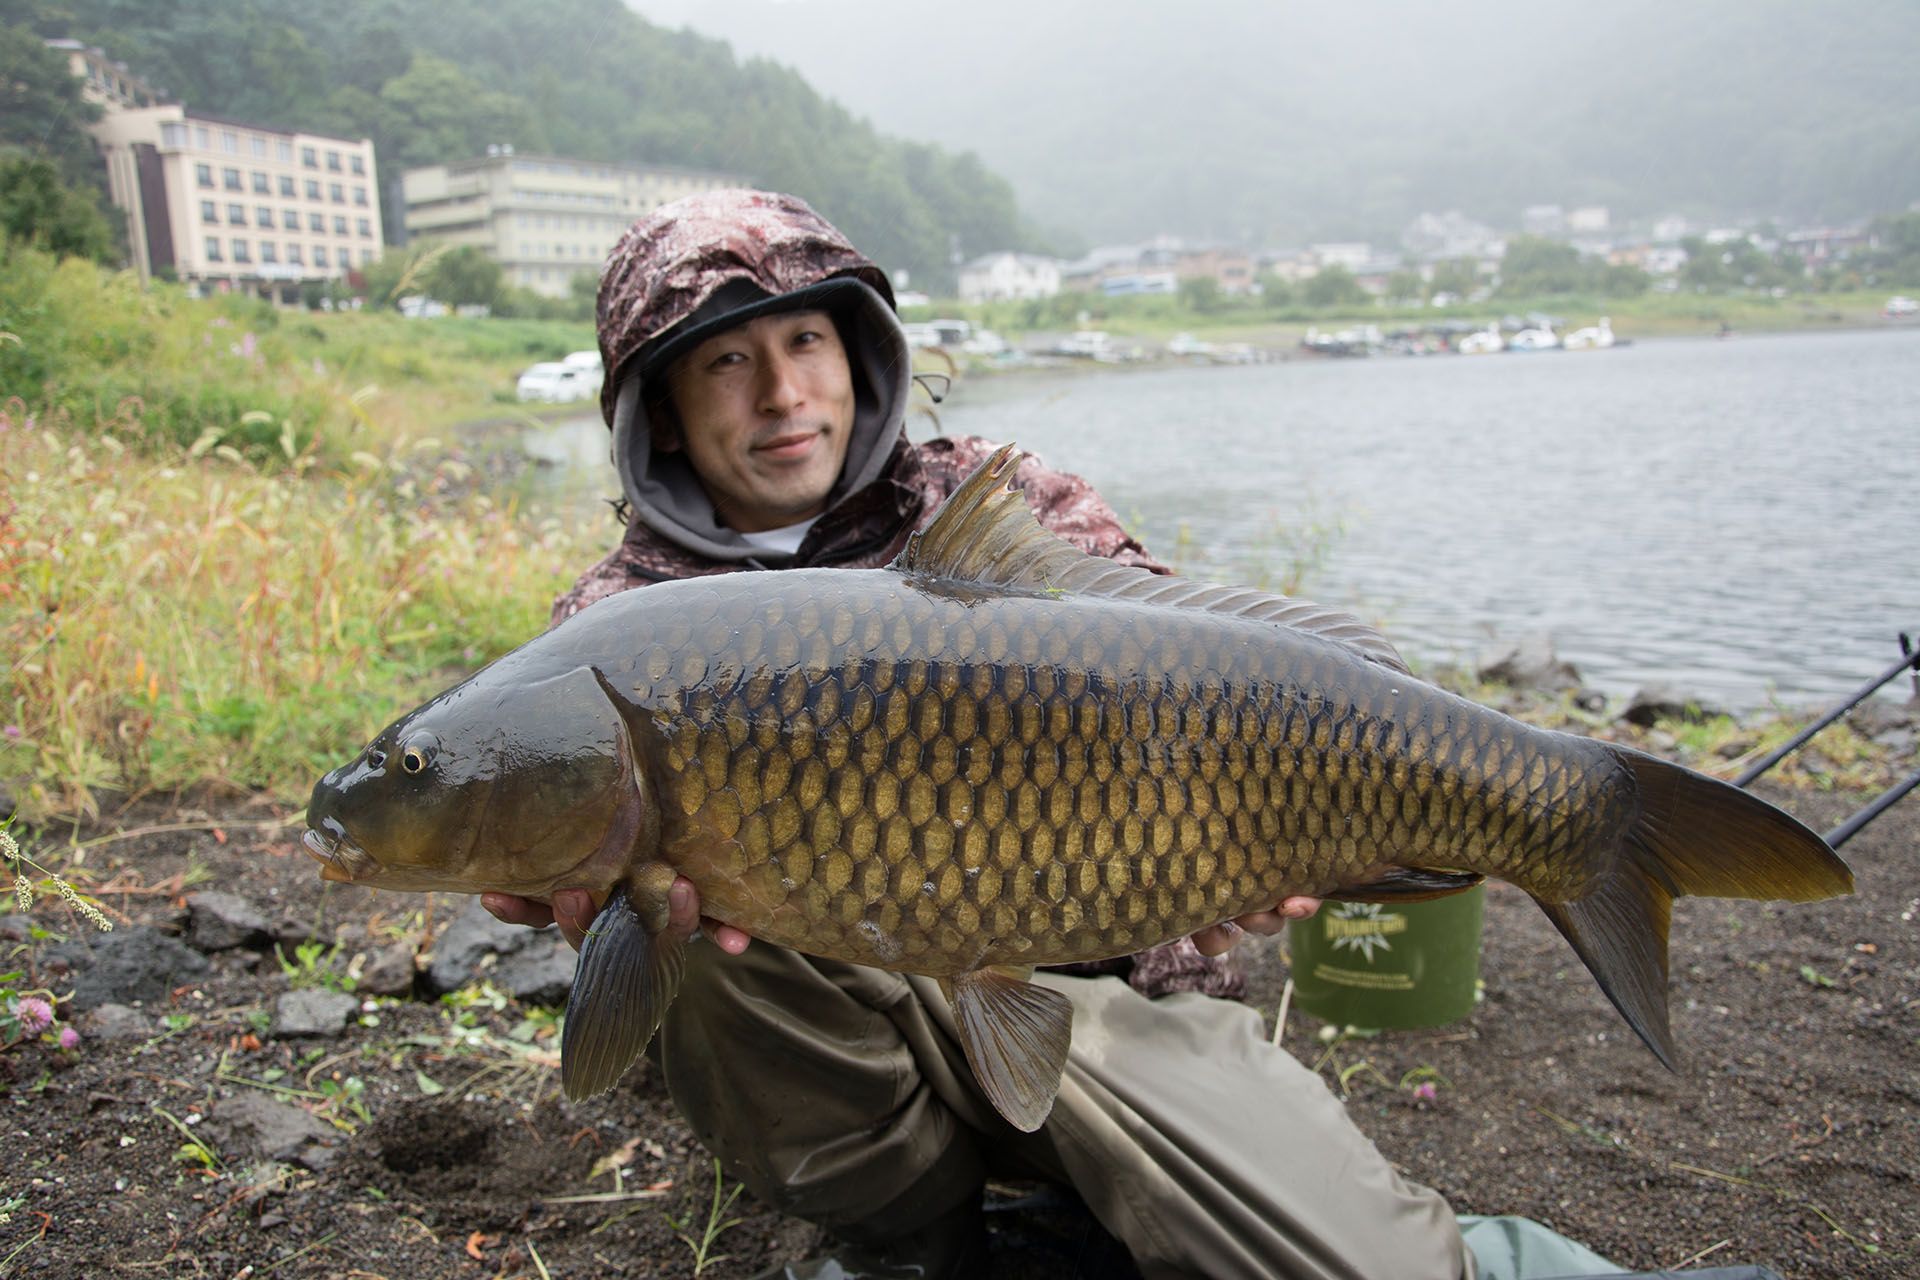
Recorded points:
788,445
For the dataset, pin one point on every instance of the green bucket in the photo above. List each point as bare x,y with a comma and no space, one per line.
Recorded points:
1364,964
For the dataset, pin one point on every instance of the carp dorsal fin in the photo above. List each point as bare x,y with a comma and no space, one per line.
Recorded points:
985,532
1015,1035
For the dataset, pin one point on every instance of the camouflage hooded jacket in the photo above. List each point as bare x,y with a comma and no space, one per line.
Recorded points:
660,284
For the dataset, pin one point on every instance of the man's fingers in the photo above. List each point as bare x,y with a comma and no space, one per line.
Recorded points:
573,911
1217,940
510,909
726,937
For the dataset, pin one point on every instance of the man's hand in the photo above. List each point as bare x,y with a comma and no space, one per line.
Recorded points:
1219,939
574,909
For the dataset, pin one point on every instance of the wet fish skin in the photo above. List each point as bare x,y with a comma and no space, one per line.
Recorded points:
999,753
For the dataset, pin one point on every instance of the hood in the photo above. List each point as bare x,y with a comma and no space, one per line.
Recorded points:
670,264
701,264
667,496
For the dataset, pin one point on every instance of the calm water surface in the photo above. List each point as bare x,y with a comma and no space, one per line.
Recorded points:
1733,517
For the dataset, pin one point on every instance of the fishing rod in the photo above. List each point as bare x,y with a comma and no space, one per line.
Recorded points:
1909,661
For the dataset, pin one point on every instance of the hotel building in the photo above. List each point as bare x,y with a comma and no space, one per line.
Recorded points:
542,218
225,204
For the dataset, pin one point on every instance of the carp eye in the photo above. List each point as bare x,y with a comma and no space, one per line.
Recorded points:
419,753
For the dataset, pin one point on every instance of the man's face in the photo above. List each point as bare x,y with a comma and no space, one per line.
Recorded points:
765,414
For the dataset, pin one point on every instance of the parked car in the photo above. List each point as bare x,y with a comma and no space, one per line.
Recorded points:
1899,308
554,382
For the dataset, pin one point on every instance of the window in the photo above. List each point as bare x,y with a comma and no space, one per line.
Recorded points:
259,147
339,226
313,189
357,163
286,187
237,214
316,222
213,248
173,134
240,251
209,211
360,196
263,216
269,251
260,184
333,161
366,256
366,227
309,157
293,255
336,193
290,219
319,255
201,138
230,142
283,151
203,174
230,178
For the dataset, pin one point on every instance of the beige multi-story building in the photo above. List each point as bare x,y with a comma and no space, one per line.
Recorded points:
224,204
544,219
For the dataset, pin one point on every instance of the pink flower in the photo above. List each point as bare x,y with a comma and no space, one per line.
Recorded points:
12,731
69,1038
35,1015
1425,1091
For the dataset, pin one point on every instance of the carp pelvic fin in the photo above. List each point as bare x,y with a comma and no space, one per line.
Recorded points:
622,986
1015,1035
986,533
1407,884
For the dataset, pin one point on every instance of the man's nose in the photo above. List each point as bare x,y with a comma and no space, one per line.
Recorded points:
780,389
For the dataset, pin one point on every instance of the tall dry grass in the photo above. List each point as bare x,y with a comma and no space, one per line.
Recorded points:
172,616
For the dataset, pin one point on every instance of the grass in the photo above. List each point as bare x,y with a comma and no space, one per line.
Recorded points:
174,616
101,351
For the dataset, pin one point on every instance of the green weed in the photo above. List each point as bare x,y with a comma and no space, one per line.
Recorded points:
710,1232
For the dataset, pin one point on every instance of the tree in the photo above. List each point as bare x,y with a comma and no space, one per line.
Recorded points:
1535,265
1333,287
1201,294
39,209
463,277
42,114
1458,276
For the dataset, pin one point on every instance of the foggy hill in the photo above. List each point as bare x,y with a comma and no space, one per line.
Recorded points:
1268,122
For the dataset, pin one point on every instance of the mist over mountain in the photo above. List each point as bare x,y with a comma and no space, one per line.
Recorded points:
1272,123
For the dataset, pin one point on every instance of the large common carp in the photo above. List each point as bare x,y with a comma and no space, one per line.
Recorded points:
999,752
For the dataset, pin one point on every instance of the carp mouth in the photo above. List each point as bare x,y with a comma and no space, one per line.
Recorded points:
340,858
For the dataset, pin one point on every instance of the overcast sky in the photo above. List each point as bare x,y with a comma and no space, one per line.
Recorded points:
1126,117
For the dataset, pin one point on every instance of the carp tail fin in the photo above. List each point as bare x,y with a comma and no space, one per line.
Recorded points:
1695,837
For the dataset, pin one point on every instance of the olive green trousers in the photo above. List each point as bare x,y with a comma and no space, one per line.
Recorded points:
840,1094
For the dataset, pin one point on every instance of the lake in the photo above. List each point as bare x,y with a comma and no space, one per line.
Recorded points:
1734,518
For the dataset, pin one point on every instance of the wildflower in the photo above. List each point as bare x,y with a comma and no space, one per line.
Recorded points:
94,915
23,892
12,731
1425,1091
69,1038
34,1015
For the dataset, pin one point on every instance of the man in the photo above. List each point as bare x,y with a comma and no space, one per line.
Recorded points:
757,386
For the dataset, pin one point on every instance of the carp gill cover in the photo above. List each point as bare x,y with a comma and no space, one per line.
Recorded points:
997,753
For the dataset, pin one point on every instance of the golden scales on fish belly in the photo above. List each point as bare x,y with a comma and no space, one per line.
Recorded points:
999,752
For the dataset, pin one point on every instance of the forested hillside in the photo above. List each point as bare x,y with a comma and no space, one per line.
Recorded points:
435,82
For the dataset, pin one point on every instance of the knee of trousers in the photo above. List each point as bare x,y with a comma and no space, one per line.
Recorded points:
793,1072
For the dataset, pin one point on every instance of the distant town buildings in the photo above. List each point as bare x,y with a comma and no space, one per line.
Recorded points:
226,204
1009,277
544,219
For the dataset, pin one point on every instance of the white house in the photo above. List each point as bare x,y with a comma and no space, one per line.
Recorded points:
1009,277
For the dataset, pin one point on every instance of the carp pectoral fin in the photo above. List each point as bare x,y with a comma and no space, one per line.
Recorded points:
1015,1035
622,986
1407,884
